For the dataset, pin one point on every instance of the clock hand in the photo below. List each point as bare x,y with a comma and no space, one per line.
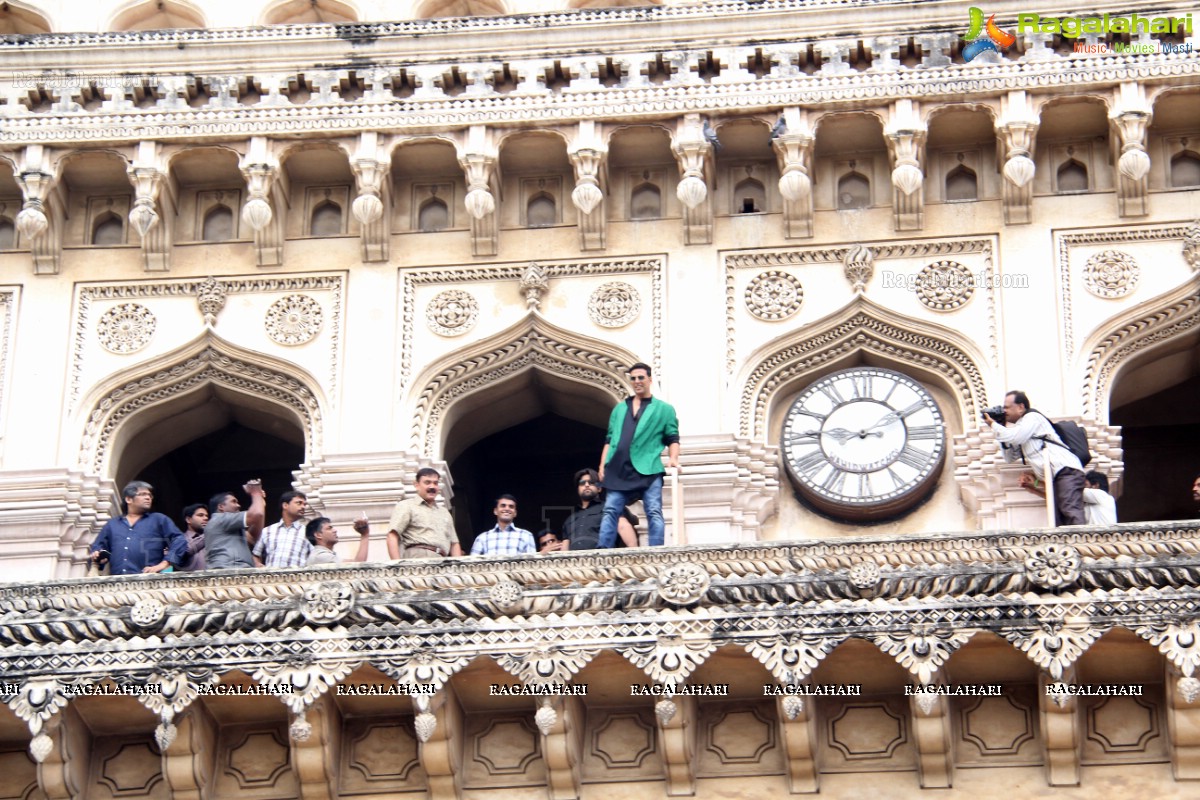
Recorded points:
886,419
841,434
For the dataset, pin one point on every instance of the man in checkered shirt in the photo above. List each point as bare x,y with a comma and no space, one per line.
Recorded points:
284,543
505,539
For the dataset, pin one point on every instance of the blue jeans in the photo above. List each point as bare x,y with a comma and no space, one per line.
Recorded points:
615,503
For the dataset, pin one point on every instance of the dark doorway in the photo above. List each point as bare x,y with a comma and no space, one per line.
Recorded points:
1161,438
222,461
535,462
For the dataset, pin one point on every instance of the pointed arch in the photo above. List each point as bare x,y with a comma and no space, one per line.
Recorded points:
207,362
300,12
1160,327
533,345
861,326
21,19
147,15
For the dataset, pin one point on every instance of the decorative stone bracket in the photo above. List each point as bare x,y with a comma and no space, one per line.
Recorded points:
153,212
793,151
40,221
905,134
268,196
693,151
1130,117
372,206
588,155
1016,134
478,158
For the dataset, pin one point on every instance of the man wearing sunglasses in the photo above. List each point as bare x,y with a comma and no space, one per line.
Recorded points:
631,462
581,531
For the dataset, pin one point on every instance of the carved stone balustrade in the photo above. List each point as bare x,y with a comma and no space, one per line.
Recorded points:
707,634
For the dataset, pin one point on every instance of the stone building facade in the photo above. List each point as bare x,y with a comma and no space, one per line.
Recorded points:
330,243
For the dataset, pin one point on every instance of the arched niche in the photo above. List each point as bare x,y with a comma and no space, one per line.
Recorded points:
1142,373
460,8
19,19
152,15
579,378
298,12
163,396
861,333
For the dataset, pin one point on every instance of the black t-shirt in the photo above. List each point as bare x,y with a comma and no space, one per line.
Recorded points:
582,528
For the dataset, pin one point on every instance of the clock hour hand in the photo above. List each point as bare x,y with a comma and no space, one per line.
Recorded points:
841,434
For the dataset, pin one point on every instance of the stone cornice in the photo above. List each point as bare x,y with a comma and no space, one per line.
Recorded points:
583,98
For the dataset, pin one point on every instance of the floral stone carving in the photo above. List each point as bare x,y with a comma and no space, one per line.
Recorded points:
295,319
1052,566
945,286
326,603
126,328
681,584
864,574
506,594
147,613
452,312
774,296
614,305
1111,274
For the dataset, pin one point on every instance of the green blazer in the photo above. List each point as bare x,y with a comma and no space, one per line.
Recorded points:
657,427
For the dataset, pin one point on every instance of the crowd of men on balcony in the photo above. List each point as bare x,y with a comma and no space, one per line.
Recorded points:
221,535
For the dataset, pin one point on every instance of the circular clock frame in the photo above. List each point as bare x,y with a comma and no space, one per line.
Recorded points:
864,443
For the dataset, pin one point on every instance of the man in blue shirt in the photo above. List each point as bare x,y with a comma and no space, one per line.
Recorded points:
142,540
505,539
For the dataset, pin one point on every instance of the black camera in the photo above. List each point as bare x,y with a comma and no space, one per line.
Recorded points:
996,413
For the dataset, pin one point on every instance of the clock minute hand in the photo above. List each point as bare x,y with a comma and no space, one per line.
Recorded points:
886,419
841,434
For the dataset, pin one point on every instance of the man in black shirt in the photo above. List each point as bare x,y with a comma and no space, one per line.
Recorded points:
581,531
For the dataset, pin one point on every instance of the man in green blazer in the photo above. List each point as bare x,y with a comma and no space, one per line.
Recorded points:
631,462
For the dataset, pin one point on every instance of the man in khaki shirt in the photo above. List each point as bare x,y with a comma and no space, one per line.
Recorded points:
419,528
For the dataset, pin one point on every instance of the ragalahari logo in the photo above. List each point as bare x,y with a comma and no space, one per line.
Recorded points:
982,37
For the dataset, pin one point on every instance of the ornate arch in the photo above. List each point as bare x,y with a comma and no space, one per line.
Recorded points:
531,344
860,326
1146,327
208,360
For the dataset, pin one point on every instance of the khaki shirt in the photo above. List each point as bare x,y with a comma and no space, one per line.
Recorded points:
418,523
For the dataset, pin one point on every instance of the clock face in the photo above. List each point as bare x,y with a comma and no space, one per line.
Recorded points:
864,442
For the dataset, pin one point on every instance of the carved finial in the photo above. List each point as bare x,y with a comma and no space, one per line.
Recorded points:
534,284
859,263
1191,245
211,296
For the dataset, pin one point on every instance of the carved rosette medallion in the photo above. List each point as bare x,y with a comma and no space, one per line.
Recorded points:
452,313
147,613
1052,566
1111,274
614,305
945,286
326,603
126,328
295,319
506,595
681,584
864,575
774,296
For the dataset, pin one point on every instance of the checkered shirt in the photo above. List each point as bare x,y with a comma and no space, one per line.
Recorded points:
283,545
511,541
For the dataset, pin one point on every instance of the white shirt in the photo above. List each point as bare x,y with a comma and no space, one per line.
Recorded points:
1024,439
1099,507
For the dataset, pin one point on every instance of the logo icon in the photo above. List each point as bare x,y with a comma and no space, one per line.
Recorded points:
982,38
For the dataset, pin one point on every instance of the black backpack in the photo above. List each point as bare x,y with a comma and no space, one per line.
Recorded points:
1073,437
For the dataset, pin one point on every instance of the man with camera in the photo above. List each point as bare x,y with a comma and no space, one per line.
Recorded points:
1027,436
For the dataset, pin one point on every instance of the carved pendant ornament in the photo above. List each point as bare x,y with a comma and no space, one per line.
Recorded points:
452,312
1111,274
614,305
126,328
773,296
294,320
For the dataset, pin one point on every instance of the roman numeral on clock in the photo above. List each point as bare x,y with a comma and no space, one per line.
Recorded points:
912,457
